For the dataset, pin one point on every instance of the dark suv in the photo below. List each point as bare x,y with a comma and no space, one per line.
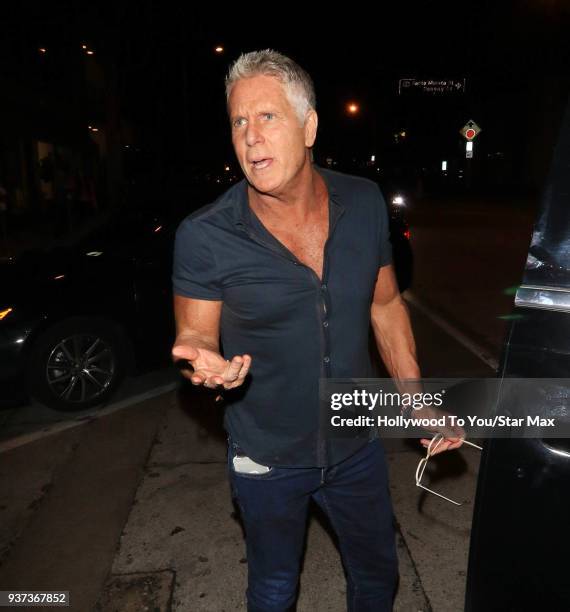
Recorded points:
519,541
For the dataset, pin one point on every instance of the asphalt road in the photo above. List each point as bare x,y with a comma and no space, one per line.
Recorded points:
469,259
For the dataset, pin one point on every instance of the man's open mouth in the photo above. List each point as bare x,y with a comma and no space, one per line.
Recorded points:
259,164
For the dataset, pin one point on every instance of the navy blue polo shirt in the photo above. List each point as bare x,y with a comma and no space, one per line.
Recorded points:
296,327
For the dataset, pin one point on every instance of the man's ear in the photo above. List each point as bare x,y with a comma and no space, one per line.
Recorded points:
310,127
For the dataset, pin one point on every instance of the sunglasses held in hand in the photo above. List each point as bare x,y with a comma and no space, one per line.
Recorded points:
432,447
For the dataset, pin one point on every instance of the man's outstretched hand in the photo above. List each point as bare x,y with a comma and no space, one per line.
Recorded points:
210,368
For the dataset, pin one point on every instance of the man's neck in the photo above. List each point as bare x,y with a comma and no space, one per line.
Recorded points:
302,199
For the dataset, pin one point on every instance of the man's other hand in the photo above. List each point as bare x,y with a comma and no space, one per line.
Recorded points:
453,435
210,369
446,444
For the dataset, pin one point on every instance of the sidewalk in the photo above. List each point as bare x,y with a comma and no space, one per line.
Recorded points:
64,501
137,516
183,537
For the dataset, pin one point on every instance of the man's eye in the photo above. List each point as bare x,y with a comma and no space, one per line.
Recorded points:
239,122
269,115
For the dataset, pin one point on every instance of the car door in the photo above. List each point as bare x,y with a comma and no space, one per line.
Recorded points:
520,540
155,330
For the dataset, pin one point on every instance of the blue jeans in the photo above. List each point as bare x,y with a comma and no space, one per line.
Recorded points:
354,495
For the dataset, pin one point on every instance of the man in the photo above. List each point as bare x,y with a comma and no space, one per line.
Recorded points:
290,267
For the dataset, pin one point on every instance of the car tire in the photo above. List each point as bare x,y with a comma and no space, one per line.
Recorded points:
77,364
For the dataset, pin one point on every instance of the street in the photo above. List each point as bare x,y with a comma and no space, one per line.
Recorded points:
469,258
129,509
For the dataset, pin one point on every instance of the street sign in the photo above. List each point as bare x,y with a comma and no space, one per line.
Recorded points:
431,86
470,130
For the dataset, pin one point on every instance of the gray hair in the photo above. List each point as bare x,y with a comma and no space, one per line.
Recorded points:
296,81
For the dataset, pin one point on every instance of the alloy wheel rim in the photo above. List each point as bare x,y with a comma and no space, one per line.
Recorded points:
80,368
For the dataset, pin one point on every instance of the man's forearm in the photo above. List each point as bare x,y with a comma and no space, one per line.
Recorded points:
395,339
197,323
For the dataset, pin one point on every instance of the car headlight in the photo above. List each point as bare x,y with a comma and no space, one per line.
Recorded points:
5,312
398,200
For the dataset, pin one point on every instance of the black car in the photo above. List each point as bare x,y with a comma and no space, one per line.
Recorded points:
398,198
74,320
400,235
519,541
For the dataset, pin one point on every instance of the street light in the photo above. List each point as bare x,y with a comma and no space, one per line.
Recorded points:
352,108
219,49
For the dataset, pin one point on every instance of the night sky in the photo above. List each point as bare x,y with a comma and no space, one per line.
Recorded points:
160,57
505,52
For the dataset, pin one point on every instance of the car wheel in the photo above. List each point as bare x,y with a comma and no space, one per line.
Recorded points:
76,364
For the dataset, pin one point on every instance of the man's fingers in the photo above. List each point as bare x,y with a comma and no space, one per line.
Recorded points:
437,448
213,382
233,369
197,378
455,444
238,368
244,368
448,444
242,373
201,378
444,445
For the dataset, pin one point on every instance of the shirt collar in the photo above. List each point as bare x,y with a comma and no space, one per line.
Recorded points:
243,212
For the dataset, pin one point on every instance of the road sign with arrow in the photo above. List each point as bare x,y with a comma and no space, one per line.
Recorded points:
470,130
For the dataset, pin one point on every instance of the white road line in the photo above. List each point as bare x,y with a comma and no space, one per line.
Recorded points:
33,436
452,331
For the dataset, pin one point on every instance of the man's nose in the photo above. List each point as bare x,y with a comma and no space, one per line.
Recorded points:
253,135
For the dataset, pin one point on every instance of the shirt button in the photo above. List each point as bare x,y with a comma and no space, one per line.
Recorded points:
326,359
325,323
324,287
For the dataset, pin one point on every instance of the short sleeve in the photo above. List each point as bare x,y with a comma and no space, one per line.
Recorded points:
194,271
384,244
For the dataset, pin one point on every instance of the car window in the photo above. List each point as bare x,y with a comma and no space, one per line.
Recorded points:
548,263
130,234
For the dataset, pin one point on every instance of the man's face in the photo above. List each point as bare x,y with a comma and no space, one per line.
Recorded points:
269,141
